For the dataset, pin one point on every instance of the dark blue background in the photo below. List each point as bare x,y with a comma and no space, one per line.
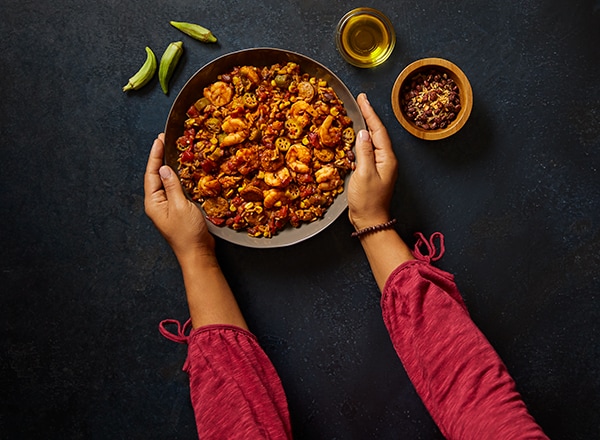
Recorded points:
86,278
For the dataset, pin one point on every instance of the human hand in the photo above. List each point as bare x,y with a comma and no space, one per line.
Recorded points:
177,218
372,183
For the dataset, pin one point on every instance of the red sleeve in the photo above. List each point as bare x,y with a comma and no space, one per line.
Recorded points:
235,390
454,369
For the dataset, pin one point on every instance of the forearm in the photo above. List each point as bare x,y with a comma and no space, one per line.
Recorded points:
460,377
234,388
385,251
210,299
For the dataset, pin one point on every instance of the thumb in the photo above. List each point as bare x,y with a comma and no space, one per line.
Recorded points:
365,157
172,185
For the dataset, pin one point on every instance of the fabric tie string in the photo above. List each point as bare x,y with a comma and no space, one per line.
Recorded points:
179,337
434,252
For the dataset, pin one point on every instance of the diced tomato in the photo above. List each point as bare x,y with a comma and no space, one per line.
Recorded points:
208,165
261,93
313,139
187,155
283,212
216,221
306,191
188,138
237,112
193,112
304,178
294,220
184,142
230,166
278,220
267,142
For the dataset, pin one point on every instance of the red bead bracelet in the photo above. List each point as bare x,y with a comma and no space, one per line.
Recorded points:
370,229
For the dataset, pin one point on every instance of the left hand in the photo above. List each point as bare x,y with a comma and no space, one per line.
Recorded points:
177,218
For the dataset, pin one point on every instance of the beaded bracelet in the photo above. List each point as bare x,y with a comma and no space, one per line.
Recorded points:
370,229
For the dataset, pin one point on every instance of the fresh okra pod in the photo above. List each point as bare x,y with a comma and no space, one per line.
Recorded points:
195,31
168,62
145,73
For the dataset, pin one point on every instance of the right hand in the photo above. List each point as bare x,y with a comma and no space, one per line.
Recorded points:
372,183
178,219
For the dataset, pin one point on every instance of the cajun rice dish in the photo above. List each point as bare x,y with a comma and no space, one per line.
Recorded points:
266,147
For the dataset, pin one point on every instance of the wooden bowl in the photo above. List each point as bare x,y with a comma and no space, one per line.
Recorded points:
464,90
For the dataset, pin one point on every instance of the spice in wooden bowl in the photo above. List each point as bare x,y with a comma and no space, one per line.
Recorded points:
432,98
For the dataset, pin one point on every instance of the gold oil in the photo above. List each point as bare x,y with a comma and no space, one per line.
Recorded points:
365,37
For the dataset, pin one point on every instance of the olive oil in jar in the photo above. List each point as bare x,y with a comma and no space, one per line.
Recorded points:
365,37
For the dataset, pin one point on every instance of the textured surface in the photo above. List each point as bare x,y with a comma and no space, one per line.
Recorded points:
86,278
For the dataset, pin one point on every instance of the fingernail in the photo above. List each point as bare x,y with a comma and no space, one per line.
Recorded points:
363,136
367,99
164,172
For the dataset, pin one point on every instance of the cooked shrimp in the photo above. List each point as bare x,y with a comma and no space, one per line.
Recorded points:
232,125
298,158
208,186
328,134
271,159
299,108
219,93
328,178
246,160
229,183
274,198
301,111
250,73
278,179
236,130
